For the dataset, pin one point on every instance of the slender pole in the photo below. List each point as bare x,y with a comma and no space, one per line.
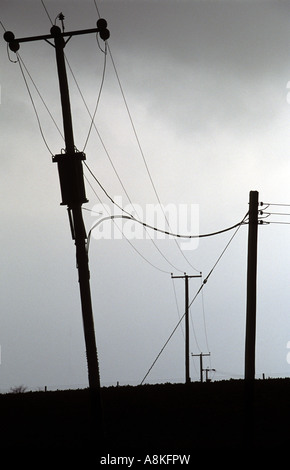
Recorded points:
186,315
251,287
75,207
250,342
187,375
64,93
201,368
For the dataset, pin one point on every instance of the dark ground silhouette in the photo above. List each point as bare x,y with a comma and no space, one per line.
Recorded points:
169,418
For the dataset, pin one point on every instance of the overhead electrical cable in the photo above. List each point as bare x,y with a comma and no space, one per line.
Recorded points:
40,96
93,124
49,17
97,131
204,321
205,235
120,230
139,144
193,329
107,153
33,104
97,8
142,153
99,96
126,217
126,238
105,192
176,302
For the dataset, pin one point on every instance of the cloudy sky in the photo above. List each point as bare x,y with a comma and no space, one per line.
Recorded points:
206,84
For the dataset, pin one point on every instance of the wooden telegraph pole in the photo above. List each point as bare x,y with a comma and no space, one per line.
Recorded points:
250,342
186,277
251,287
73,195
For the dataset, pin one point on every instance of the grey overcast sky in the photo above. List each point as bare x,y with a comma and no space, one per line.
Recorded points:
207,84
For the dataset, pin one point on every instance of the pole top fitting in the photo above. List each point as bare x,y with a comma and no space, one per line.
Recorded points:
55,31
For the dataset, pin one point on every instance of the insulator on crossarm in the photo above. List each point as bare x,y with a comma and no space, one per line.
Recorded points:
10,38
102,29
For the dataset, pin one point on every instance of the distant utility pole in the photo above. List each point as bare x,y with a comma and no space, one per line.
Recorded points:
73,195
207,370
186,277
201,355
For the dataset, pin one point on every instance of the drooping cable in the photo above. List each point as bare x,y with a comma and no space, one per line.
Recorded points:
42,99
32,102
204,320
107,153
176,302
205,235
126,238
141,151
99,96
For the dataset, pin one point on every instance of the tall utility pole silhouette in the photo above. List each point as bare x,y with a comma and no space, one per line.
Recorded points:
251,287
186,277
250,342
73,195
200,363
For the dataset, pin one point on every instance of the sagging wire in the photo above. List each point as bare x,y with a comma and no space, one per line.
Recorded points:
142,153
20,62
99,96
133,219
126,238
138,140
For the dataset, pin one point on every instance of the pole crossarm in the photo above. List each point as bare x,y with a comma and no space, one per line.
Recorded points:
185,275
46,37
14,43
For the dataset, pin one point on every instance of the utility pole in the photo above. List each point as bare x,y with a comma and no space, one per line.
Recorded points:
200,363
251,287
250,341
186,277
73,195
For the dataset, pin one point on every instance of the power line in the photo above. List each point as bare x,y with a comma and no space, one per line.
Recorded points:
105,192
132,218
107,153
204,322
99,96
175,296
138,142
40,96
46,12
97,8
142,152
273,204
126,238
33,104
